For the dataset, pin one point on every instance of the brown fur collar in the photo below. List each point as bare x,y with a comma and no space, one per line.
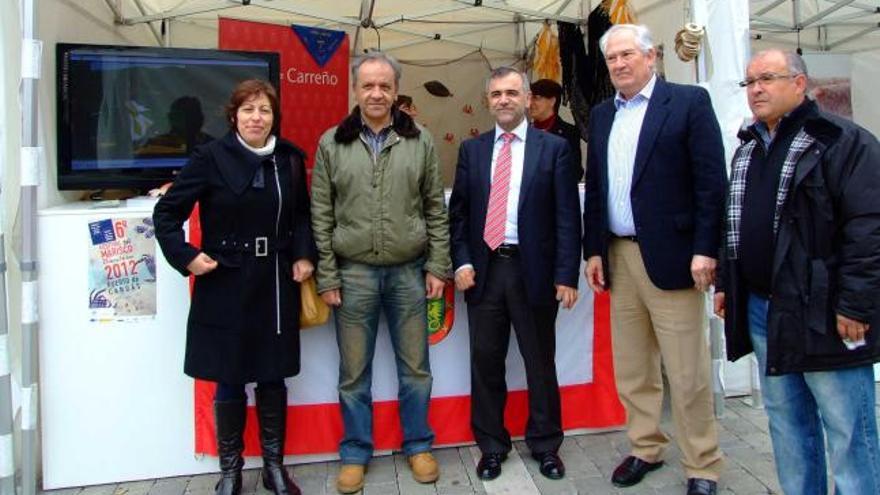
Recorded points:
350,128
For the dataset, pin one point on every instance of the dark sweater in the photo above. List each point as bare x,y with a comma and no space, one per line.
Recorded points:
757,241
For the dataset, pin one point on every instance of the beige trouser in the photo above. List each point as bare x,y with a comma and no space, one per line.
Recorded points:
649,325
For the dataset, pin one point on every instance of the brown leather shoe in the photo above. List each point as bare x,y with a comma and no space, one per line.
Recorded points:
424,467
351,478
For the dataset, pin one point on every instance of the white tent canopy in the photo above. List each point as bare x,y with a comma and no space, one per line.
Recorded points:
817,25
447,28
501,26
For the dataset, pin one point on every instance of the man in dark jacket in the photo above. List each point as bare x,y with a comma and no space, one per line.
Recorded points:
803,187
544,112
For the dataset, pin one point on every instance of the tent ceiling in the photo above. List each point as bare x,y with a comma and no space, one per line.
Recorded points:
449,28
818,25
454,27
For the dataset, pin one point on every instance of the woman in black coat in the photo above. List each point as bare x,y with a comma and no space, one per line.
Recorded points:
256,248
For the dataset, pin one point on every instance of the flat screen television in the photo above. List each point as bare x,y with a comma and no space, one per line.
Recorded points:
129,117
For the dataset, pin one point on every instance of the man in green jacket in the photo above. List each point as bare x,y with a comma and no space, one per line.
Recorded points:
380,223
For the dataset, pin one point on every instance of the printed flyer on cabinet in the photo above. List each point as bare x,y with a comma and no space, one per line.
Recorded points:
122,269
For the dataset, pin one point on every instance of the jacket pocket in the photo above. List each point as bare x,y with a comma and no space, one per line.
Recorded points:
821,336
817,307
228,259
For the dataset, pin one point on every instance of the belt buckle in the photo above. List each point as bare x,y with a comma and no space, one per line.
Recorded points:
261,246
505,251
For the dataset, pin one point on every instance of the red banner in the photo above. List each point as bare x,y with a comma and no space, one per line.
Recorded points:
314,98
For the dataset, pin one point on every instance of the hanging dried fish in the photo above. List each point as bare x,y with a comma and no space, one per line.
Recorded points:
437,88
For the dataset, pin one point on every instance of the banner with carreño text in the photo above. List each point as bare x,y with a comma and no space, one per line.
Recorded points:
314,88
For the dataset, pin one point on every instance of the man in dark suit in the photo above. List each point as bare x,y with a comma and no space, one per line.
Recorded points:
515,230
654,200
544,112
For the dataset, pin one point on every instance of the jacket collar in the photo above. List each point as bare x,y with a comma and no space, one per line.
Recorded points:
655,117
238,165
350,128
816,123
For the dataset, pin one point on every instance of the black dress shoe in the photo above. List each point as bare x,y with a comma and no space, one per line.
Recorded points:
700,486
551,465
632,470
489,466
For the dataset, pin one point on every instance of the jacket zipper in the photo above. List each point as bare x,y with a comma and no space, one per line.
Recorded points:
277,268
373,179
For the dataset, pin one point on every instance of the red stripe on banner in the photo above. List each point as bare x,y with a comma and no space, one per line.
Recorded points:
317,428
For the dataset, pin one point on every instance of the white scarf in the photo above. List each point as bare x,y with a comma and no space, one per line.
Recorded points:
266,150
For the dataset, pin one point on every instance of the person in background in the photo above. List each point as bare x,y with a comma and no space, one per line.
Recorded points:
405,104
516,249
256,248
379,218
653,207
544,112
800,278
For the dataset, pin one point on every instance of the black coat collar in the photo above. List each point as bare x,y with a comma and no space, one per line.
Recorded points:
238,165
350,128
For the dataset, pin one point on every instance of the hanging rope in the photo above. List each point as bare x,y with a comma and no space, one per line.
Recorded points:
688,41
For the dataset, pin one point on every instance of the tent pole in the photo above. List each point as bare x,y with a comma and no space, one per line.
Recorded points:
28,263
7,468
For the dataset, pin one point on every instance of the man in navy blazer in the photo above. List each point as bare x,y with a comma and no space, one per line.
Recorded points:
653,202
515,230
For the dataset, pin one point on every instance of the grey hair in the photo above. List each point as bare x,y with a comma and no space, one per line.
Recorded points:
376,56
794,63
639,31
505,71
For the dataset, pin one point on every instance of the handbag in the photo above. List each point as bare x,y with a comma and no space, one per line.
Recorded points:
313,310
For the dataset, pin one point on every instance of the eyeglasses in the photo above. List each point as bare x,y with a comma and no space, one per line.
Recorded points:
765,79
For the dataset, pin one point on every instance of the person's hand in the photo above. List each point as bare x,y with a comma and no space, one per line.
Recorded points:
703,271
201,264
566,295
719,304
464,279
850,329
594,275
302,270
332,297
434,286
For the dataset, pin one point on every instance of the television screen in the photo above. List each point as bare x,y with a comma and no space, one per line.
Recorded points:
129,117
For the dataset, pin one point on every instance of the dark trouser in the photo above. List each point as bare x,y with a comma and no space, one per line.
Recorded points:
504,302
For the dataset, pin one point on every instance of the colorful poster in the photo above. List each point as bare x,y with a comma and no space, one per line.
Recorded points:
122,269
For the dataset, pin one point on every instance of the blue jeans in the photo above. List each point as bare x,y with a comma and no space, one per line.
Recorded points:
399,291
805,407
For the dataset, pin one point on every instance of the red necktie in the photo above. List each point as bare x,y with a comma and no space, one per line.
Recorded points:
496,213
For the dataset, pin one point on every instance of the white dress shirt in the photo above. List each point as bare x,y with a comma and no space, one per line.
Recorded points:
517,157
623,143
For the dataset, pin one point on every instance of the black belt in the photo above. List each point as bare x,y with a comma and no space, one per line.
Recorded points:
630,238
259,246
506,251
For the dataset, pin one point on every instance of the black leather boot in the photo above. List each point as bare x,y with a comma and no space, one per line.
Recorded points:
229,417
272,412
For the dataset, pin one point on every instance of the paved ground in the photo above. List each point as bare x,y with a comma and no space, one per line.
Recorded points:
589,461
